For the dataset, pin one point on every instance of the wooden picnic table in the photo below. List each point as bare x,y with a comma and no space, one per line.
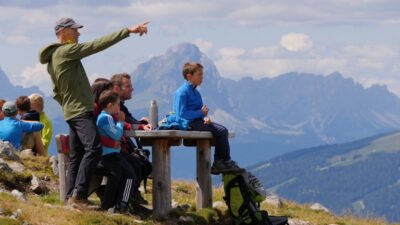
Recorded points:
161,141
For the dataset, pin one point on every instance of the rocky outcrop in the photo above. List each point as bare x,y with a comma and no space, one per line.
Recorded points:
317,206
7,151
37,185
273,200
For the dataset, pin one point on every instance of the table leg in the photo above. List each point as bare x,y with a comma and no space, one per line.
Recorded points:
203,169
161,177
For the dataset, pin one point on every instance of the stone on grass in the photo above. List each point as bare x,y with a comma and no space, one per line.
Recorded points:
37,185
317,206
273,200
4,166
7,151
27,153
298,222
18,195
219,204
54,164
174,204
16,167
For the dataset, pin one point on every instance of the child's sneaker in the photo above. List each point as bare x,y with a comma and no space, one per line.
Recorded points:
226,167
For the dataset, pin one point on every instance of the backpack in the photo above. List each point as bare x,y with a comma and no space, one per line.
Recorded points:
243,195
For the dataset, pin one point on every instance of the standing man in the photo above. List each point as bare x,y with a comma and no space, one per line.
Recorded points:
72,91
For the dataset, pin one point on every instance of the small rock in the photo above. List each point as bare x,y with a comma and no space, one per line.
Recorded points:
16,167
298,222
19,195
18,213
1,211
219,204
26,223
185,220
27,153
4,166
54,164
317,206
37,185
174,204
48,205
46,178
273,200
7,151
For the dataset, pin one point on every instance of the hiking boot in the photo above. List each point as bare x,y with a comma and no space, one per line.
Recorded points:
78,202
226,167
138,199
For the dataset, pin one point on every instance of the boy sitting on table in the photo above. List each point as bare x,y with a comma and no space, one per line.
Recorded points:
189,105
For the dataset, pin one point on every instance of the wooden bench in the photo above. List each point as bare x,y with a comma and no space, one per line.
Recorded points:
160,141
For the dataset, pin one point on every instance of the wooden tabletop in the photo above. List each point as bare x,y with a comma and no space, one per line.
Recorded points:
172,134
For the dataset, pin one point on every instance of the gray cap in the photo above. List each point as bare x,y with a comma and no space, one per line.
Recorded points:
9,108
66,23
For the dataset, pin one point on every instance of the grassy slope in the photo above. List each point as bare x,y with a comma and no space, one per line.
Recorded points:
46,209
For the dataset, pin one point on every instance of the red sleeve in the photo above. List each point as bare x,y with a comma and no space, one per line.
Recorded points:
107,142
141,127
127,126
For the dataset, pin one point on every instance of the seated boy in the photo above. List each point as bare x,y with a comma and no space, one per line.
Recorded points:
189,105
12,128
37,104
29,140
111,159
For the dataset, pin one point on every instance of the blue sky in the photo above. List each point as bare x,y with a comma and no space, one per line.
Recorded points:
358,38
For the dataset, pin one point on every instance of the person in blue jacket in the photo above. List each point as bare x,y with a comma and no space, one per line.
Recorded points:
189,105
12,128
116,197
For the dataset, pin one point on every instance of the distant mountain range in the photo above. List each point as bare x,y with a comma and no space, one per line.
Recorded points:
361,176
270,116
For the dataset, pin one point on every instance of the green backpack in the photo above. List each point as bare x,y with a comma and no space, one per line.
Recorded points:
243,195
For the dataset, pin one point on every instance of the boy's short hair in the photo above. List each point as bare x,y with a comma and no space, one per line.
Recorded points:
9,109
108,96
36,100
190,67
23,103
117,78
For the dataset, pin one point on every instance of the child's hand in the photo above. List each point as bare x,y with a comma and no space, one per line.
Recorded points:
207,120
204,109
121,116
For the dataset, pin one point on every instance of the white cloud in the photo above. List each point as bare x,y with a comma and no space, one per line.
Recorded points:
296,42
203,45
17,40
36,75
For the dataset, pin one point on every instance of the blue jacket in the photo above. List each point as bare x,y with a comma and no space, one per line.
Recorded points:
188,103
12,129
111,129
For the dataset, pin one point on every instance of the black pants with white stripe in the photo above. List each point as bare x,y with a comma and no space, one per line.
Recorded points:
129,181
121,179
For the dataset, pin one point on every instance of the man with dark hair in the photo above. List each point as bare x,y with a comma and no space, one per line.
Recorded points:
72,91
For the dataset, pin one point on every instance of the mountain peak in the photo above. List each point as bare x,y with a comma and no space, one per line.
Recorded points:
186,50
